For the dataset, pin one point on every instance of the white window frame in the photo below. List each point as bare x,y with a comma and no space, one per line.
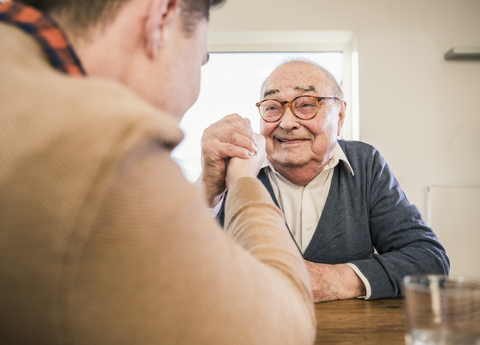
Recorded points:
302,41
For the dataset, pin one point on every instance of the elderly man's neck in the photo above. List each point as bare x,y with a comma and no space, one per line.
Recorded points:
300,176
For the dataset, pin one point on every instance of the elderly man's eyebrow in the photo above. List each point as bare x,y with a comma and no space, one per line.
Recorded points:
270,92
296,88
306,88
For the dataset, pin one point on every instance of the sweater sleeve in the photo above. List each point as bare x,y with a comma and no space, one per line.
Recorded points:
405,245
156,268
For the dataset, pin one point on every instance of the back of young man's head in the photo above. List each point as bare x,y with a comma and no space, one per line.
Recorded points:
154,47
84,14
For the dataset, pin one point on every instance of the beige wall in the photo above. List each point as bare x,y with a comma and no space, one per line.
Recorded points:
420,111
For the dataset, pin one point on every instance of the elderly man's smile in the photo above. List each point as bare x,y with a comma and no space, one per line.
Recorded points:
291,141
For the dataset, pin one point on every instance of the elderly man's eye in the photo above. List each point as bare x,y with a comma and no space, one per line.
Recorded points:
271,106
306,104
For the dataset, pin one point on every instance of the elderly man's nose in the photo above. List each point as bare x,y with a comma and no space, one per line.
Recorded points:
289,120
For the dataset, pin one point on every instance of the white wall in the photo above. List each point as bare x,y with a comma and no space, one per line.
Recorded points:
420,111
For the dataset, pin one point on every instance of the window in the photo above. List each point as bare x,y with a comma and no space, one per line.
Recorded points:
231,84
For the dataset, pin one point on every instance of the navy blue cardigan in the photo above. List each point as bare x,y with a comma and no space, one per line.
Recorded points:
366,211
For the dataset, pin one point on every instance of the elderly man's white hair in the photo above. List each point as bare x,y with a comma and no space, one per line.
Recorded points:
332,84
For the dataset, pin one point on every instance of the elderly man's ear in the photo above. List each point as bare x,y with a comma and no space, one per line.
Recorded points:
160,25
341,116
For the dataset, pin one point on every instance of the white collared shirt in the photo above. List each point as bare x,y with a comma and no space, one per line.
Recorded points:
303,205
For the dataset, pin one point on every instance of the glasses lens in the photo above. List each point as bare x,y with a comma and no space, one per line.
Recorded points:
271,110
305,107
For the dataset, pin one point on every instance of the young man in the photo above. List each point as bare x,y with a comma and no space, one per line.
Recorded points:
102,240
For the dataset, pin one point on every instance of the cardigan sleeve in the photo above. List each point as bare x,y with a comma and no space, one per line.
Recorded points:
405,245
157,268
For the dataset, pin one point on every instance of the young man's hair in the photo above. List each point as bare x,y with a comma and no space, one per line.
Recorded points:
84,14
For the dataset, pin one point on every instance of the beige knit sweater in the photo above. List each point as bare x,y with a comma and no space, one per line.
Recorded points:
103,241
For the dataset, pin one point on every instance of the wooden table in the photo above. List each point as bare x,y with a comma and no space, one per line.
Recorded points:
360,322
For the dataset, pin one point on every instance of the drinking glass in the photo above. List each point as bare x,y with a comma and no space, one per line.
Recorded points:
442,310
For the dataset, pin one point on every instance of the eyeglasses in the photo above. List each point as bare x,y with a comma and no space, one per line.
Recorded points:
303,107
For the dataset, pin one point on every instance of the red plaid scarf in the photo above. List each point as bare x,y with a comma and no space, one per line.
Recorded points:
47,33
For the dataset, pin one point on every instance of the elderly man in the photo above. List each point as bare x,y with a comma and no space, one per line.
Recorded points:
346,211
102,240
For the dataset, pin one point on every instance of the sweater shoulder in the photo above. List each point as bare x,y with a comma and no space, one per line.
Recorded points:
356,147
34,92
361,154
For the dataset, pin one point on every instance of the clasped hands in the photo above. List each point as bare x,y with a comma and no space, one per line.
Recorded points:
232,150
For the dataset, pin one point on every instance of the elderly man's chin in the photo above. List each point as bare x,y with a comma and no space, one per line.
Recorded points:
290,155
289,160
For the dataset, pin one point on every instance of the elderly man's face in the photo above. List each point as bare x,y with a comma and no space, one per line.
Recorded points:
292,142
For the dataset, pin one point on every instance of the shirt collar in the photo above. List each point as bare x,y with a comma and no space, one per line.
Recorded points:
46,32
338,155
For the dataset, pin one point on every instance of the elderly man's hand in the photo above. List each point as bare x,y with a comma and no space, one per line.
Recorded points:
230,137
332,282
239,167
